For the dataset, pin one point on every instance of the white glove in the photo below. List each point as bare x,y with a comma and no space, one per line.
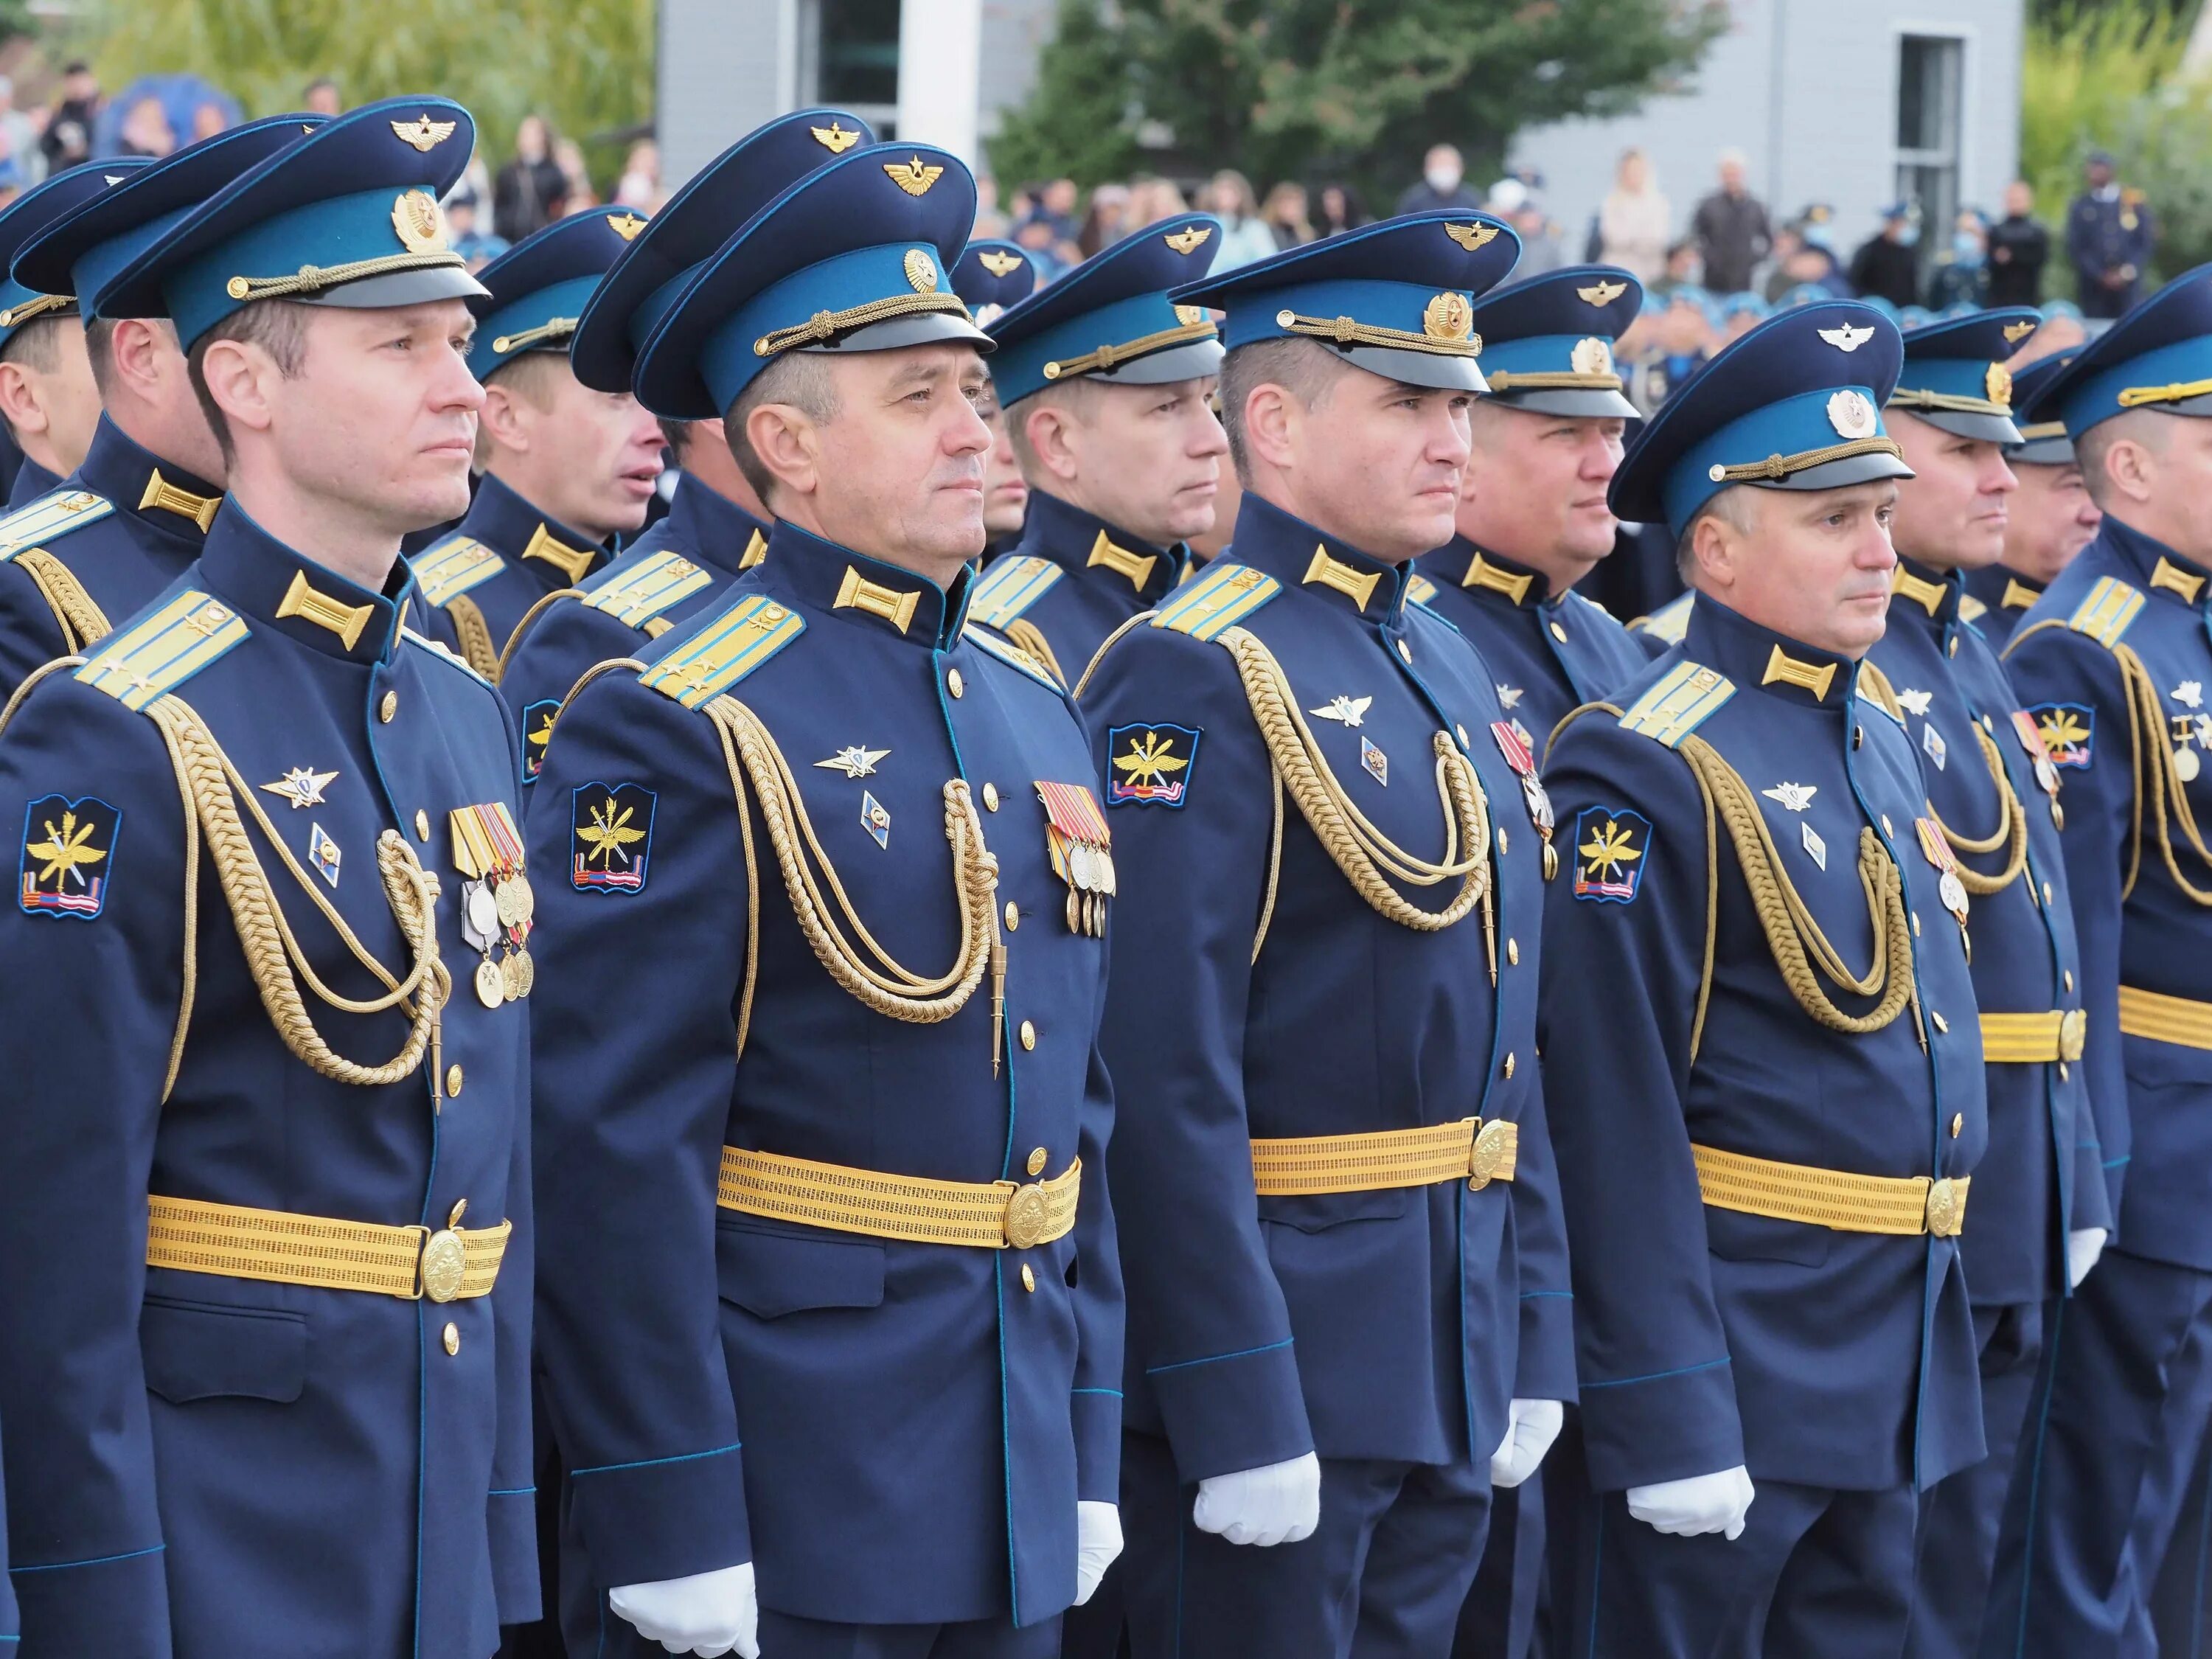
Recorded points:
1097,1541
1278,1504
1703,1504
2083,1246
1531,1427
708,1614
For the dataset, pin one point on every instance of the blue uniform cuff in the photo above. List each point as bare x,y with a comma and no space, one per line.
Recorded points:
1237,1411
1546,1368
513,1519
1097,1416
668,1517
1667,1427
118,1604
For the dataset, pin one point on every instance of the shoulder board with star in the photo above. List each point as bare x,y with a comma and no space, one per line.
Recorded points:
446,569
2108,612
1011,654
734,644
1972,610
1220,599
1670,622
636,590
1685,697
1011,586
445,654
163,649
54,515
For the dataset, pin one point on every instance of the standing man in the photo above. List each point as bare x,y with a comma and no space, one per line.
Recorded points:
2020,247
282,1406
1729,229
1320,1021
2040,1210
2109,238
1766,1158
1106,384
1887,263
566,468
2112,661
1443,184
992,277
2053,516
893,1282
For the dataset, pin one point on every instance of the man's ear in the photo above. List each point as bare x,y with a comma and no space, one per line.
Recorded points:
504,420
1051,439
787,445
2130,469
240,378
1713,552
1273,419
19,400
132,345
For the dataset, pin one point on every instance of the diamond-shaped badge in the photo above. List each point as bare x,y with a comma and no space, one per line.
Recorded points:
1376,762
322,854
1815,846
875,819
1932,741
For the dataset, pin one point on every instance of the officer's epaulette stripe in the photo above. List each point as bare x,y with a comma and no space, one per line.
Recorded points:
1971,609
159,655
1419,590
446,570
1217,601
742,638
2104,616
446,654
1011,586
1012,655
1688,695
635,591
53,514
1670,622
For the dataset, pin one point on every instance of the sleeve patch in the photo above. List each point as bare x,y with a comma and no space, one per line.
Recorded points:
1150,765
69,857
612,837
1610,844
537,720
2068,730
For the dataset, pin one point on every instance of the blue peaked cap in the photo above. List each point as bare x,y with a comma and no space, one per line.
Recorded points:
1955,375
2158,355
536,290
28,216
993,276
1547,342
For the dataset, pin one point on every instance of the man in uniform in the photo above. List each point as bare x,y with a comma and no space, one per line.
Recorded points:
282,1408
566,468
2112,661
1106,384
2053,516
126,523
1758,1003
716,528
991,277
2041,1213
841,1175
2109,238
1348,1290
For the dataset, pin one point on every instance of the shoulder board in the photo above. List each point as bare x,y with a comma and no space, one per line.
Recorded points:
2107,612
1011,586
1685,697
445,654
1419,590
446,570
54,513
1217,601
163,649
735,643
636,590
1874,687
1011,654
1670,622
1971,609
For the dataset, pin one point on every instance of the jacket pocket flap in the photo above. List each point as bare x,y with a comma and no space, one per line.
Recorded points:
207,1351
772,1274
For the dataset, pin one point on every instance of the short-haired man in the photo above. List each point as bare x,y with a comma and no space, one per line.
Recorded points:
2041,1213
567,469
281,1406
1107,387
833,1188
2112,661
716,527
1321,1020
993,276
2053,515
1759,1019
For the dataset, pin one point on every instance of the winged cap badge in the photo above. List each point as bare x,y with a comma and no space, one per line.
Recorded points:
1602,292
1189,239
836,137
2016,332
1472,237
914,177
422,132
1846,338
997,264
626,227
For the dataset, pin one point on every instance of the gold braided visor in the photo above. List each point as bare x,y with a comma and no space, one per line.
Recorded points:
2166,1019
1947,403
1507,379
1348,331
1903,1206
315,279
1469,1150
826,325
1775,468
2035,1039
993,1215
448,1264
1107,356
2135,397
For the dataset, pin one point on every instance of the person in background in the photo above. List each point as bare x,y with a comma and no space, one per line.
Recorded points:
1339,211
1106,222
1513,200
1685,269
1245,236
1055,205
1285,214
1153,199
1634,220
1961,276
321,97
568,156
1887,263
1730,229
478,247
2109,237
67,140
1443,184
1802,260
146,129
639,186
19,133
2020,247
1740,314
531,190
2062,331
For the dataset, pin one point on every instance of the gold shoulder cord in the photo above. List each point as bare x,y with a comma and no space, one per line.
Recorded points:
2011,832
1031,638
513,640
474,633
82,621
2154,776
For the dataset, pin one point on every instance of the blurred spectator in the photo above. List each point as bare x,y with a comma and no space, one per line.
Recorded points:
1730,229
68,137
1106,222
1245,235
146,129
1443,185
1684,269
1887,263
1634,222
1341,210
321,97
639,186
989,221
1740,314
1285,214
1520,207
23,163
530,190
1803,258
578,192
1153,199
2061,330
470,241
2109,237
1055,205
1961,276
2019,249
208,119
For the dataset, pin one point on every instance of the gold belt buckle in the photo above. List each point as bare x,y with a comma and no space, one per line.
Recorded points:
445,1259
1945,1210
1028,1212
1487,1155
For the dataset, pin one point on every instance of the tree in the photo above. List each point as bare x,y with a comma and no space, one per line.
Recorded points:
1077,121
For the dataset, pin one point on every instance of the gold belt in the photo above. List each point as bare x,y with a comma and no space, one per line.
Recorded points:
993,1215
1904,1206
2025,1039
1469,1150
2166,1019
447,1264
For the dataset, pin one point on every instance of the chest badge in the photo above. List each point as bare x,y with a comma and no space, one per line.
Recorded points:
1931,741
876,820
1915,702
1815,848
1082,851
1796,797
1375,763
1513,744
1349,710
2190,694
301,787
857,762
1507,696
322,853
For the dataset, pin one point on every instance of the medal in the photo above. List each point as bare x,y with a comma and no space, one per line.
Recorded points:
1078,841
1511,745
524,973
491,984
2046,772
1938,853
479,915
515,901
510,980
2185,763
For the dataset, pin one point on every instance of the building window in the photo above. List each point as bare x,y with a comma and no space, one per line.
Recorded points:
1930,84
849,56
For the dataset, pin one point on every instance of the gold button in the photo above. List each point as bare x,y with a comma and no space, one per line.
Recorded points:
1916,924
2069,979
452,1079
1036,1161
1958,1124
2046,892
1461,731
388,707
453,1334
1508,1065
1942,1024
1029,1035
1029,1278
1558,634
1501,840
1885,828
990,792
1405,651
1513,952
1013,916
2062,1072
954,683
421,824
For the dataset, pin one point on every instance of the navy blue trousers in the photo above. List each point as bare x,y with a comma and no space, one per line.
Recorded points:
2178,1605
1499,1619
1384,1577
783,1637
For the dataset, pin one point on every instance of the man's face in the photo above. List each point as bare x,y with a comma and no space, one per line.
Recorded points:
1059,196
592,457
2052,519
2179,472
2018,199
1732,176
1817,565
1149,458
1534,490
1006,493
1380,461
2099,174
1952,514
901,463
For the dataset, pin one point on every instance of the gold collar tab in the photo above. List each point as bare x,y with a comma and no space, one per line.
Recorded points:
1354,585
2018,596
1926,594
1137,567
1780,665
2174,578
1483,574
756,551
857,592
346,621
571,561
160,493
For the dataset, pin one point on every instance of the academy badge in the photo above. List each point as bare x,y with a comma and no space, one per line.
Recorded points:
537,720
69,849
613,837
1609,849
322,853
1150,765
2068,730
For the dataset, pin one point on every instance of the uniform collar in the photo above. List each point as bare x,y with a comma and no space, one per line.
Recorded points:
273,586
1924,592
159,493
1089,546
32,481
1758,659
2006,589
549,549
2157,568
1302,557
805,570
714,529
1459,563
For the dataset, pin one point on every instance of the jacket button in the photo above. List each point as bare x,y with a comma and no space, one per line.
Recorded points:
1858,736
1916,924
2062,1072
1508,1065
990,792
1558,634
1029,1035
1501,840
1513,952
2046,892
1958,1124
452,1079
954,683
1036,1161
1029,1278
1886,829
453,1337
1954,648
421,824
2069,978
1462,731
388,707
1013,916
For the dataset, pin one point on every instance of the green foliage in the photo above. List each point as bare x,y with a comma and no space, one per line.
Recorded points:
1077,121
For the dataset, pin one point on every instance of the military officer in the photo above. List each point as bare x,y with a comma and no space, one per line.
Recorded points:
1320,1021
1106,386
2109,239
281,1406
716,527
566,468
2053,516
2112,661
2040,1212
1767,1161
991,275
842,1176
